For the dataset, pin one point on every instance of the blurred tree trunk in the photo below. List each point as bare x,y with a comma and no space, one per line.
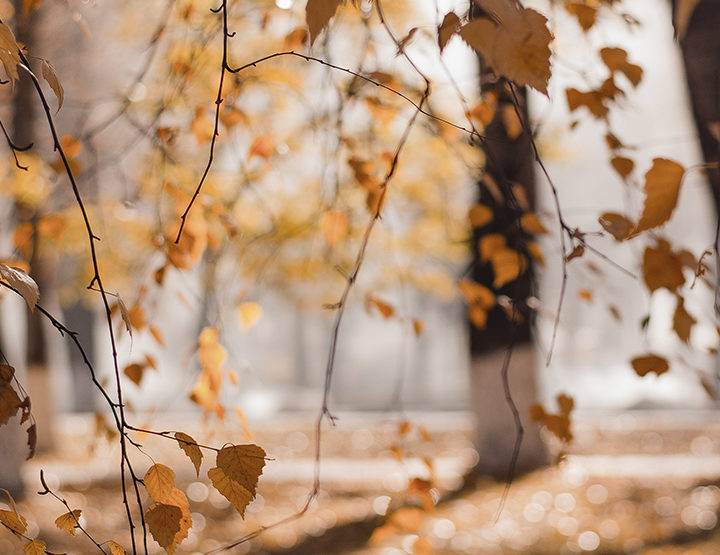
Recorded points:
699,38
507,185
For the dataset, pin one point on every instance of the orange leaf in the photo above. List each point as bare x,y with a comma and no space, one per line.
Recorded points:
532,224
683,321
584,14
134,372
507,265
262,147
650,363
616,225
480,215
662,267
318,14
237,472
249,314
385,309
68,522
624,166
334,225
408,518
450,26
191,449
616,60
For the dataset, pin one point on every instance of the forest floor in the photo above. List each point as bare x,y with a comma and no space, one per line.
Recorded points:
640,482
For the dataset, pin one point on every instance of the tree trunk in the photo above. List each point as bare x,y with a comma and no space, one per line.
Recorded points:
507,185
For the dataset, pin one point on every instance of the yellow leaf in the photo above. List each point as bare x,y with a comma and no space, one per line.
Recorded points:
116,548
490,244
584,14
164,523
334,225
50,75
318,14
249,314
683,321
35,547
585,294
662,186
191,449
478,316
202,128
507,265
511,122
418,327
124,314
262,147
532,224
650,363
159,482
237,472
69,521
134,372
450,26
616,225
480,215
476,294
515,43
22,283
14,521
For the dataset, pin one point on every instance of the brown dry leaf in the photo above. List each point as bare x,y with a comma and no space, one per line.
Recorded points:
164,523
134,372
384,308
9,402
532,224
577,252
616,60
650,363
334,225
318,14
683,321
616,225
14,521
447,29
249,314
159,482
124,314
9,52
34,547
592,100
191,449
237,472
584,14
623,166
116,548
69,521
662,187
22,283
516,44
565,402
418,327
295,38
51,77
31,441
480,215
408,518
662,267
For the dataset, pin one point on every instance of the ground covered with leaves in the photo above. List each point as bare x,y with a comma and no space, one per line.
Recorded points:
393,485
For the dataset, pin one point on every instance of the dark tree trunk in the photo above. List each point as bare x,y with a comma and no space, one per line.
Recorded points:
508,184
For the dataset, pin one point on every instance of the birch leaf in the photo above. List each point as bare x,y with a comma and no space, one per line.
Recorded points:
318,14
650,363
35,547
191,449
51,77
159,482
164,523
21,282
68,522
116,548
662,187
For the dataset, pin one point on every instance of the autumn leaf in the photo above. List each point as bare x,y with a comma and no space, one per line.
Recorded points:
14,521
249,314
423,546
334,225
9,52
418,327
191,449
318,14
51,77
22,283
262,147
683,321
30,5
68,522
515,44
31,441
124,314
237,472
480,215
662,267
384,308
9,402
557,424
159,482
584,14
408,518
34,547
134,372
531,224
476,294
164,523
116,548
507,265
616,225
616,60
447,29
592,100
643,365
662,187
623,166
